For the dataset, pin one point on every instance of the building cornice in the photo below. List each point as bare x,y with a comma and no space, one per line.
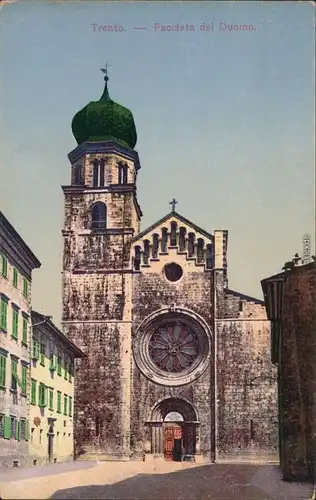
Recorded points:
106,147
18,252
111,188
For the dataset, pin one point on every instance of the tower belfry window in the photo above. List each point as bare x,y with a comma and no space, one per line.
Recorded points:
98,173
122,174
77,178
98,216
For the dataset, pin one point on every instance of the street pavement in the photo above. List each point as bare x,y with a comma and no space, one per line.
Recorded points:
152,481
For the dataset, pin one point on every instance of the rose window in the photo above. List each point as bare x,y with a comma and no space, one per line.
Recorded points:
173,347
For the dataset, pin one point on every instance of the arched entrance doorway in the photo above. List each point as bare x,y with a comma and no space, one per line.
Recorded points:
173,433
173,428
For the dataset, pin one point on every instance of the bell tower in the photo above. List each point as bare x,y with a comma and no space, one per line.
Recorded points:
101,217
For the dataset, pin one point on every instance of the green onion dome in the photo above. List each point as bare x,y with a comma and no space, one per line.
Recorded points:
104,120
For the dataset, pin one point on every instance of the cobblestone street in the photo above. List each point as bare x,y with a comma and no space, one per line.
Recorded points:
148,481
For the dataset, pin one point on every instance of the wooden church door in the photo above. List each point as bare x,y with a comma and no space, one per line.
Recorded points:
171,433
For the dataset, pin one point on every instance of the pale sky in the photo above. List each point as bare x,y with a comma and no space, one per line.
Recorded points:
225,121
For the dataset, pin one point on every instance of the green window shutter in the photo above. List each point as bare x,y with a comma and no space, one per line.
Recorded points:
15,323
65,404
35,349
7,428
24,379
42,355
4,265
24,331
15,277
4,314
51,399
27,430
58,365
42,395
58,402
3,366
33,392
52,365
70,406
65,370
25,287
17,430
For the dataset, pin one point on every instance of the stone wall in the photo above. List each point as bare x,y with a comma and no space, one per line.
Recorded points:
246,378
152,292
97,308
297,368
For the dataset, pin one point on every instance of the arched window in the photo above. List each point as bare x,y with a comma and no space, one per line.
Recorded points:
200,250
173,234
182,239
146,252
191,244
209,257
98,216
155,246
137,259
98,173
164,240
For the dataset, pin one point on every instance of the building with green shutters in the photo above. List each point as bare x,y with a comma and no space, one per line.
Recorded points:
52,395
17,262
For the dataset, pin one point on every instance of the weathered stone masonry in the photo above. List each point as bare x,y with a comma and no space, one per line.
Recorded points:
151,292
291,297
247,393
117,295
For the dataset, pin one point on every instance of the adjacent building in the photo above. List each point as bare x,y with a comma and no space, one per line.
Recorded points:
165,336
290,298
17,262
52,393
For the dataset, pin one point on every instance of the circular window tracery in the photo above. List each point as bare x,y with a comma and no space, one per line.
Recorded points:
173,272
173,347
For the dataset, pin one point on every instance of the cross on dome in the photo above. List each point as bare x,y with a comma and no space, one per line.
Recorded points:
105,71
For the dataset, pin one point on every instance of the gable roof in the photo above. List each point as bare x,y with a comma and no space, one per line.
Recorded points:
229,291
172,215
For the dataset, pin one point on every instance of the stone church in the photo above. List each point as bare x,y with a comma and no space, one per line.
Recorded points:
178,363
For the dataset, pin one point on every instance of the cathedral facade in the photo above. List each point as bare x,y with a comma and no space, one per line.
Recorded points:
177,362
